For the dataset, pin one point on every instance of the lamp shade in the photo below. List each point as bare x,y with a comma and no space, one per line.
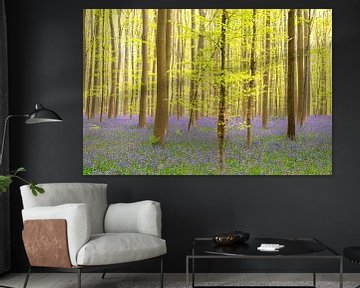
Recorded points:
42,115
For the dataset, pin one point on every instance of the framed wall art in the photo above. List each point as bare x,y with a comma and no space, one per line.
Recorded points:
207,92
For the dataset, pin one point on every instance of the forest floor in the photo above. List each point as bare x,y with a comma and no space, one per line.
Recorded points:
118,147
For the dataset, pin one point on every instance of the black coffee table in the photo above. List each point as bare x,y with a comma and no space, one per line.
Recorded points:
295,248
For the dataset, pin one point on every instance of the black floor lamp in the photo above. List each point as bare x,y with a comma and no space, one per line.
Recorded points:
39,115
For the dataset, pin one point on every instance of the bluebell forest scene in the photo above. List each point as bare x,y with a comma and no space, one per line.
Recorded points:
207,92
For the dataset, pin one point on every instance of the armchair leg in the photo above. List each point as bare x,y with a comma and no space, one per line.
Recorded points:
161,273
27,277
79,277
103,275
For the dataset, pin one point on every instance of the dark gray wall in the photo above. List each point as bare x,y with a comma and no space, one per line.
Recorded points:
45,43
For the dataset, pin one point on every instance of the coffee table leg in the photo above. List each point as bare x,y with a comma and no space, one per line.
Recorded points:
314,271
187,272
193,272
341,273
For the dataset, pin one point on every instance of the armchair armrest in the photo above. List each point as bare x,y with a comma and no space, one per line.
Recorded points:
138,217
78,225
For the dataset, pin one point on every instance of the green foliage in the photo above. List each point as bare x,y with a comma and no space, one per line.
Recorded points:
154,140
6,180
36,189
21,169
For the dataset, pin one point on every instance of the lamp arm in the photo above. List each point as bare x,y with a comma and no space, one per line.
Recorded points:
4,134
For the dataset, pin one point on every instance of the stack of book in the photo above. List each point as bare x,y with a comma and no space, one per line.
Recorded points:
270,247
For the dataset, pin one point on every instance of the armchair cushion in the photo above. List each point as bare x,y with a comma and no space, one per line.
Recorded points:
138,217
78,221
113,248
92,194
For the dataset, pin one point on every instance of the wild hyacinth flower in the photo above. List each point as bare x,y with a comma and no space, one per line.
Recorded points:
118,147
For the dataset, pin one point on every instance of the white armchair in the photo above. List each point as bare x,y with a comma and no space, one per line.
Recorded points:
79,231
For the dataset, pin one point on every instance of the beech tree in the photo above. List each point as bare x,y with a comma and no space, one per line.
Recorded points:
249,107
144,76
266,78
161,115
291,75
222,97
300,66
171,72
115,84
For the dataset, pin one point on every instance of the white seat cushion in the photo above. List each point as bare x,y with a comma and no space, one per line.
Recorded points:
114,248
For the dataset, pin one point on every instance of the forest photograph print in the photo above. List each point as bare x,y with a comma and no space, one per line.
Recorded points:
207,92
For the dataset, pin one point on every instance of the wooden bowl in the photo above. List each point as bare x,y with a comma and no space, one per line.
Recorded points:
225,239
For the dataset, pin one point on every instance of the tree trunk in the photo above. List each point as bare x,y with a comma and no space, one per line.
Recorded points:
144,82
222,104
266,78
85,64
111,106
168,60
118,67
192,118
96,87
153,87
125,105
161,115
90,78
291,75
132,64
178,67
102,67
300,66
306,101
249,107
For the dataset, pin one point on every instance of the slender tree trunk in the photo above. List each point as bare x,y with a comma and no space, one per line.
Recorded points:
168,60
244,68
266,78
161,115
153,86
111,106
249,108
291,75
222,99
178,67
182,81
133,73
192,119
154,76
300,66
85,64
126,69
197,70
200,57
96,87
102,67
284,52
144,82
118,67
90,78
306,100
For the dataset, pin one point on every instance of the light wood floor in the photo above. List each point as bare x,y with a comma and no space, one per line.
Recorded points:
68,280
